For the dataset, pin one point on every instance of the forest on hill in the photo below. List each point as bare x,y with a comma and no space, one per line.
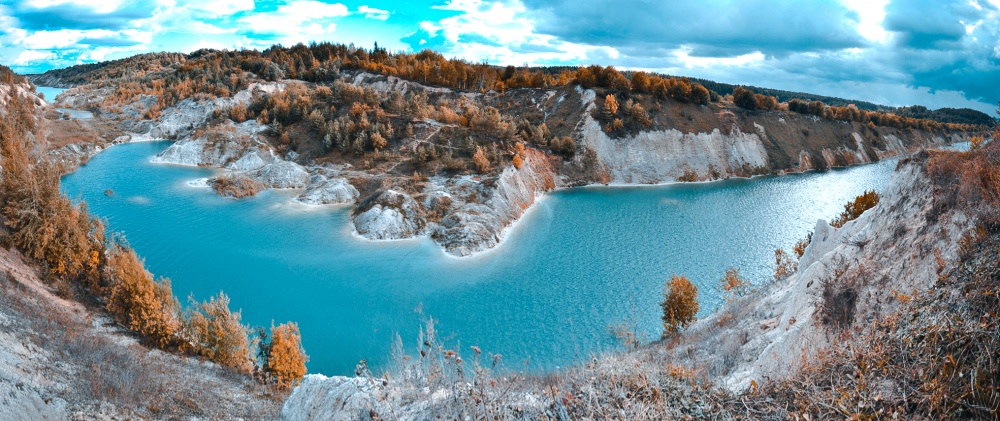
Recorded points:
322,62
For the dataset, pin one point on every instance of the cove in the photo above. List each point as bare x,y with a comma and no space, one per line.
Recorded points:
578,262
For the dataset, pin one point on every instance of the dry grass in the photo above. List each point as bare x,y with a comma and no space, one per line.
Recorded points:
90,366
236,186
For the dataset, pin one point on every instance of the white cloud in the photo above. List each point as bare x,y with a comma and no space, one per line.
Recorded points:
221,7
31,56
101,53
101,6
502,32
298,21
871,13
69,38
373,13
206,44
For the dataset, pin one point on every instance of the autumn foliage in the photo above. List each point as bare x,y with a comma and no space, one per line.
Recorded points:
137,302
854,208
286,360
733,285
72,248
680,304
213,331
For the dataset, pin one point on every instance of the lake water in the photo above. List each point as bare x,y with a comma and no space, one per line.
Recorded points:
580,261
49,93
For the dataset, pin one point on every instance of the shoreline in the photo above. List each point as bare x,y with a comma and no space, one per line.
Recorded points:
505,234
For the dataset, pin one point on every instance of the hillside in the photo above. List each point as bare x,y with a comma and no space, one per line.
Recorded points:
457,151
85,330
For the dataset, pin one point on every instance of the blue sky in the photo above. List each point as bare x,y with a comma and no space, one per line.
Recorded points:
932,52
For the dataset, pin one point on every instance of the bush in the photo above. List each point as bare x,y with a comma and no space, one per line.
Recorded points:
680,304
482,163
610,107
236,186
733,285
139,303
744,98
214,332
784,264
854,208
800,246
286,360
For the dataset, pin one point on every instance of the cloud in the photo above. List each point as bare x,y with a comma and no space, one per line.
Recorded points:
294,22
500,32
712,28
373,13
926,24
935,52
214,8
80,15
31,56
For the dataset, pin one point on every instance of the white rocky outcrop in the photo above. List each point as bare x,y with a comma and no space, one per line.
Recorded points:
389,215
222,145
890,249
321,398
472,227
660,156
323,190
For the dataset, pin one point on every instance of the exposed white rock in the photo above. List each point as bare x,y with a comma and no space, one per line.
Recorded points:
280,174
781,325
663,156
328,191
389,215
321,398
474,227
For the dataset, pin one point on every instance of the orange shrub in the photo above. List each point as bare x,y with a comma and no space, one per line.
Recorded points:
854,208
734,285
213,331
784,265
680,304
139,303
286,360
482,163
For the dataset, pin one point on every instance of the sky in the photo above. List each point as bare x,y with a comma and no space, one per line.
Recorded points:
937,53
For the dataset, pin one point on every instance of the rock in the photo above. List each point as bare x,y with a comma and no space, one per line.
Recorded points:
389,215
279,174
328,191
322,398
473,227
663,156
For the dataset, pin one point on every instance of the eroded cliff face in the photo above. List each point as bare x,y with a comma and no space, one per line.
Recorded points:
846,279
465,215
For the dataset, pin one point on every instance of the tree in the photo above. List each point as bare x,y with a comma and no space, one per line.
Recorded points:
853,209
137,302
482,163
680,304
745,98
214,332
286,360
784,264
734,285
610,107
640,82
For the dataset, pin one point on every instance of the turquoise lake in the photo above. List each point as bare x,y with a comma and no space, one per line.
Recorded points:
580,261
